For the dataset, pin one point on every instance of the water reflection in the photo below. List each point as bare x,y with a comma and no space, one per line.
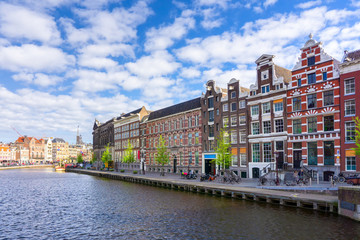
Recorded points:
42,204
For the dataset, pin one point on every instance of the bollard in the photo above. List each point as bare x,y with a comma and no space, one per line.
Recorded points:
310,182
317,178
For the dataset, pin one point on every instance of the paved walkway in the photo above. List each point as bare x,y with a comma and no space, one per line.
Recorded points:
246,186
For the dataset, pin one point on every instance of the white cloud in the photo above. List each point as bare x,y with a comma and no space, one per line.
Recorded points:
355,3
30,58
268,3
209,3
40,79
190,72
308,4
157,64
164,37
116,26
18,22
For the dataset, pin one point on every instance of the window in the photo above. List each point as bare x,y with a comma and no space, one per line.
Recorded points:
267,152
190,139
350,163
211,102
226,137
296,104
266,127
311,78
324,75
350,132
234,160
297,126
211,131
311,100
233,121
217,127
350,107
279,107
264,75
190,158
233,106
312,124
225,107
217,112
255,128
265,89
252,93
256,152
279,145
196,158
242,119
197,138
299,82
225,121
242,104
233,137
266,108
242,136
279,125
211,116
312,153
233,94
243,159
328,123
297,145
349,86
190,121
329,98
311,61
255,110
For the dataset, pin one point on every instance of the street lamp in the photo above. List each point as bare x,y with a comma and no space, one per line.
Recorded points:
276,154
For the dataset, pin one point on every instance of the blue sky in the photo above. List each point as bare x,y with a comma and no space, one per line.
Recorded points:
64,63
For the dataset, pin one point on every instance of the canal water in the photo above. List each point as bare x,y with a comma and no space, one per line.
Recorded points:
43,204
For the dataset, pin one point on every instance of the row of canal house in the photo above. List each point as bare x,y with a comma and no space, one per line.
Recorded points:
286,120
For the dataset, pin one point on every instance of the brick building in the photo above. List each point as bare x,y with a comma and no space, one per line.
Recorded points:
35,146
211,114
103,135
350,108
313,106
266,107
180,126
127,130
234,116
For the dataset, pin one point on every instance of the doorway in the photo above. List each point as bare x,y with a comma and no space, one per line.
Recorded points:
297,159
209,166
256,172
175,163
280,160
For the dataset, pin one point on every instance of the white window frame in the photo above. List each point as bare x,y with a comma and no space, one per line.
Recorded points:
263,125
265,75
243,155
347,131
234,158
233,123
252,128
282,106
252,112
225,107
231,104
263,109
263,148
242,136
233,139
275,125
242,104
345,103
345,88
266,87
225,122
240,123
346,164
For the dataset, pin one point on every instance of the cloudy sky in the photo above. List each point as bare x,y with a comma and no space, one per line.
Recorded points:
64,63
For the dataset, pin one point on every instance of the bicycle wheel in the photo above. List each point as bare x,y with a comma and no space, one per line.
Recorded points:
341,179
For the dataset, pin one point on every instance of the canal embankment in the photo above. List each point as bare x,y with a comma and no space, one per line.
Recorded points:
27,166
318,202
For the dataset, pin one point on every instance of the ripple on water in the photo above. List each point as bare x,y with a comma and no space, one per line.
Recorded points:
42,204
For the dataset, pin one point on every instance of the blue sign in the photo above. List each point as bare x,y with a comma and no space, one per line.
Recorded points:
210,156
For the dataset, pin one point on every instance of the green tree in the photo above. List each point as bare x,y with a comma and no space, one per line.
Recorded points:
357,136
129,154
106,156
80,158
93,158
162,155
223,156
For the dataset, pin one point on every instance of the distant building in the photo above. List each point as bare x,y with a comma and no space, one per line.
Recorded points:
103,135
5,154
127,130
350,108
35,146
60,150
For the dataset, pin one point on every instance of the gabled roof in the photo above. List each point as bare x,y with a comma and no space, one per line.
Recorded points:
283,72
178,108
58,140
351,56
124,115
264,57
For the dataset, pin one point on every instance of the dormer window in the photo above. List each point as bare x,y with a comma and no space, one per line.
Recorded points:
264,75
311,61
265,89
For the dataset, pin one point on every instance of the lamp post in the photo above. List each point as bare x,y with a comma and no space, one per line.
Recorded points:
276,154
142,158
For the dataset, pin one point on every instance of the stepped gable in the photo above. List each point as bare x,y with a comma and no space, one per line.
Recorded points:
181,107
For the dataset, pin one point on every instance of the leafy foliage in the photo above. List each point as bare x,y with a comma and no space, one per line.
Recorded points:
357,136
80,159
129,154
162,155
106,156
223,157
